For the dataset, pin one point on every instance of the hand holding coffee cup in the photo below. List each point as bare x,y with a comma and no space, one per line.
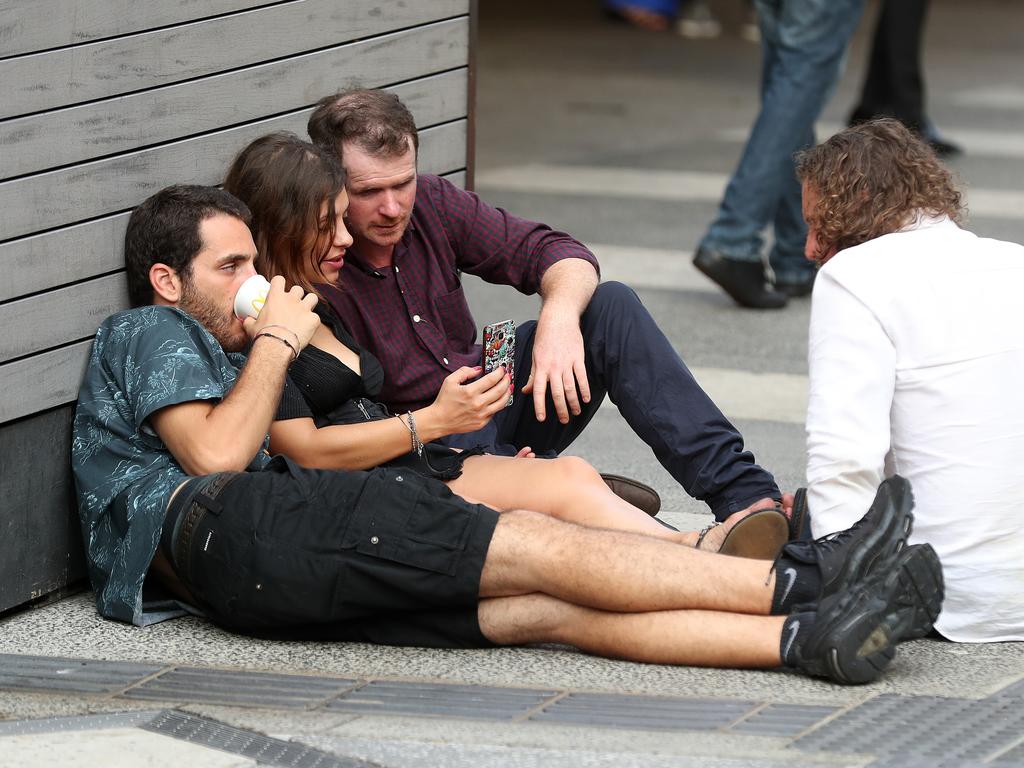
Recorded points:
290,309
251,297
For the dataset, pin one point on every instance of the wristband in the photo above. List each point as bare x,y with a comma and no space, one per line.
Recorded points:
294,351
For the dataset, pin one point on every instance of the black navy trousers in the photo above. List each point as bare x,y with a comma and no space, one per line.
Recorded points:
631,361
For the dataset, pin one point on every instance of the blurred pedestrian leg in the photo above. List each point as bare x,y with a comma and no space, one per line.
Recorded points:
802,43
894,83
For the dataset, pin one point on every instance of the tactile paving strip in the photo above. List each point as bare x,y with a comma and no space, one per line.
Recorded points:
783,719
469,701
254,689
644,712
951,730
35,673
265,750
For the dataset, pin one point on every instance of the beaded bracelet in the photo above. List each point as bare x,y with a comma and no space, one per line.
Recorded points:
294,351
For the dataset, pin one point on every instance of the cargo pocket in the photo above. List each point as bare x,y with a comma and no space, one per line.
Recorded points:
286,586
406,518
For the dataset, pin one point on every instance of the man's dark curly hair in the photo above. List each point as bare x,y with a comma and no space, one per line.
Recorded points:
871,180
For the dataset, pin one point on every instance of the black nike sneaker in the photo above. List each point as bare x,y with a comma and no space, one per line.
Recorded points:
847,556
856,631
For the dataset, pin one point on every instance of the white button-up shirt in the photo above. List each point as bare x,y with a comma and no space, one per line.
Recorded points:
917,368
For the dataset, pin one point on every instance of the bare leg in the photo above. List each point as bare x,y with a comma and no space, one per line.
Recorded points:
618,571
567,488
695,638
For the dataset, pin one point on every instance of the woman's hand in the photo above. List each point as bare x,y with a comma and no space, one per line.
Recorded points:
463,405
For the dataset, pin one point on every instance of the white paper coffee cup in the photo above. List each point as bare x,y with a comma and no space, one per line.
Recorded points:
251,296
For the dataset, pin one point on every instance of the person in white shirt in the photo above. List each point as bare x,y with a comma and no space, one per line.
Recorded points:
916,367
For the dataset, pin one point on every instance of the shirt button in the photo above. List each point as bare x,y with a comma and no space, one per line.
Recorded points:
444,360
415,318
396,270
374,540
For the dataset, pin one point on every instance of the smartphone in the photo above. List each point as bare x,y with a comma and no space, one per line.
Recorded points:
500,349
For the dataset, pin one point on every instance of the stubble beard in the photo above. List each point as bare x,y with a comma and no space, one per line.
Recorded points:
206,313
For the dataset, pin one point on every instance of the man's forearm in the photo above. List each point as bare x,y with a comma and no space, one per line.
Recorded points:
567,287
244,416
224,437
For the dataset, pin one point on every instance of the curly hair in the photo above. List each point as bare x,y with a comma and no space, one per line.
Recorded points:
871,180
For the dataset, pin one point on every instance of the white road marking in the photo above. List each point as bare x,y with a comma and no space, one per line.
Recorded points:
650,267
745,395
682,186
1002,97
977,143
606,182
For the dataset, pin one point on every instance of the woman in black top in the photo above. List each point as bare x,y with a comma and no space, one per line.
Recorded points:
328,417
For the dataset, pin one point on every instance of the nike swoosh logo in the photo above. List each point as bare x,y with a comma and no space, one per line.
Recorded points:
790,574
793,629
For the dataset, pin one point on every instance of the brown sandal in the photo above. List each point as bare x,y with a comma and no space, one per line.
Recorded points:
761,535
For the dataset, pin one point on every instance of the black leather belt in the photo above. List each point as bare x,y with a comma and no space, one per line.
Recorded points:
204,501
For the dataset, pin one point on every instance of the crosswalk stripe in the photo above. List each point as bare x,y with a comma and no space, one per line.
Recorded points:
975,143
681,186
650,267
780,397
1001,97
605,181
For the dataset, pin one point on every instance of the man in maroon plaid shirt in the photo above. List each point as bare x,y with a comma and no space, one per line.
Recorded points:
403,300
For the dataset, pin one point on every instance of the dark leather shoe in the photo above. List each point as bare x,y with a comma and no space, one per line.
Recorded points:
744,281
796,289
633,491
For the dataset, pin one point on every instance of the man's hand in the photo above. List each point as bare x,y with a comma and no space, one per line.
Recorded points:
565,290
460,407
290,310
558,364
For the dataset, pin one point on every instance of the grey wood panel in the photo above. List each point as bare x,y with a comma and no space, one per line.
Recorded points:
66,255
43,381
94,189
52,378
38,82
40,536
62,256
37,142
57,317
40,24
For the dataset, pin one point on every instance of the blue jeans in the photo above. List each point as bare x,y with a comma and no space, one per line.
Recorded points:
629,359
802,42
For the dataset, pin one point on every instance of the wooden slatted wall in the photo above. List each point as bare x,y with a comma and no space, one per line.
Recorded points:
103,102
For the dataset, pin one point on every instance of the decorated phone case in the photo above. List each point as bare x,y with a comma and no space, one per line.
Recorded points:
500,348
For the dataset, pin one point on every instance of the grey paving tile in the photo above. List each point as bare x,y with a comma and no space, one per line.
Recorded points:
394,697
783,719
644,712
191,684
30,673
